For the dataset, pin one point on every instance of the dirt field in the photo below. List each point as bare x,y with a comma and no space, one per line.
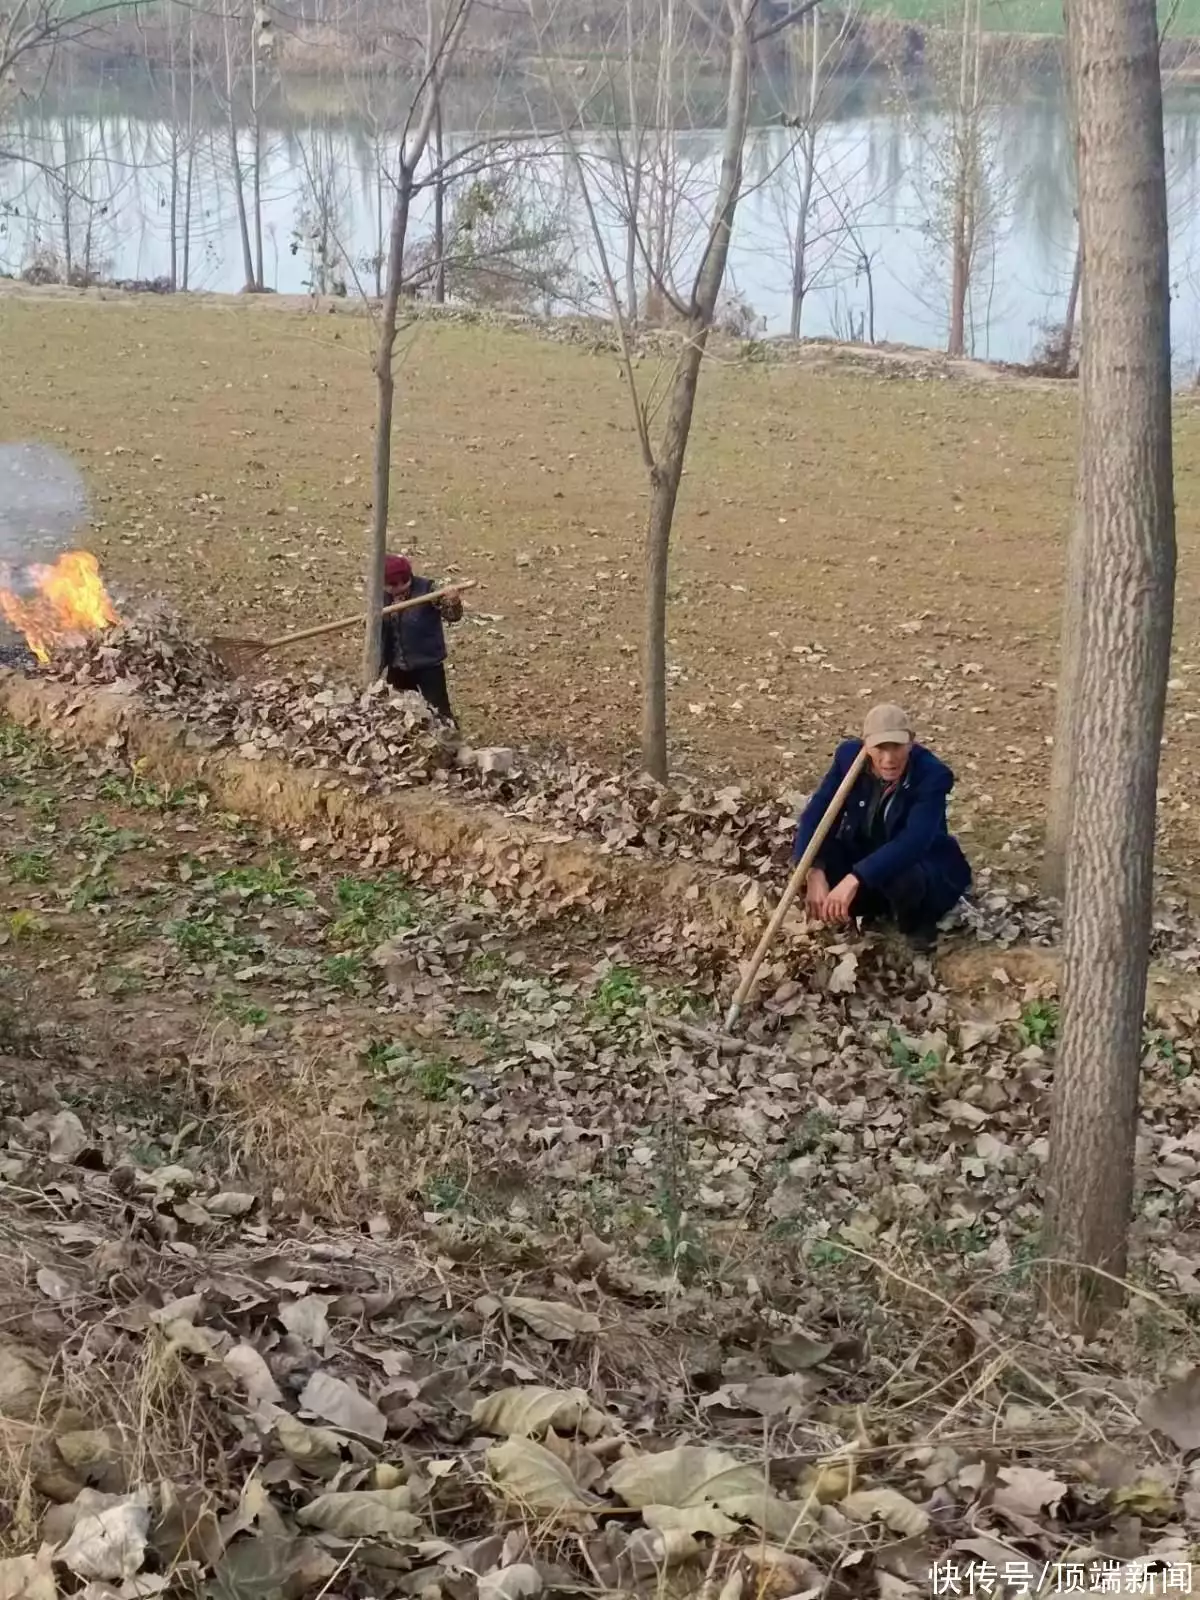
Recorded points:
841,536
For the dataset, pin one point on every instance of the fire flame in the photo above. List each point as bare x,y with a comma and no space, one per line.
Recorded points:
68,601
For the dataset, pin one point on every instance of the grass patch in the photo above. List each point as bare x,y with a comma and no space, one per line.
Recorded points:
30,866
619,992
396,1069
371,911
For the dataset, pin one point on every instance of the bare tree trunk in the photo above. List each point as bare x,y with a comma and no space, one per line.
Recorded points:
960,260
439,208
800,245
386,388
669,467
634,197
1128,540
191,154
438,53
239,192
260,281
173,69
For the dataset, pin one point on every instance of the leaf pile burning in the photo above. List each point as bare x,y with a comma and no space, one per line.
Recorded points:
57,605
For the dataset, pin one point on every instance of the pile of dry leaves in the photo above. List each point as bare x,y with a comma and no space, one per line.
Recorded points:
198,1397
384,741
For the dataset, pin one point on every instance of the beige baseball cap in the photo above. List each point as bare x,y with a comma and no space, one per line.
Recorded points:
886,725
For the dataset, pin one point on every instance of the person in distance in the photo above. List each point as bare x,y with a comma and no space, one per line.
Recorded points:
414,641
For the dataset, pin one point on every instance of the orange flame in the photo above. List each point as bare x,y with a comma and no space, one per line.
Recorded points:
69,602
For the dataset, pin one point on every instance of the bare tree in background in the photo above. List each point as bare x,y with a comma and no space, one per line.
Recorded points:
696,314
1126,545
32,30
963,193
443,35
246,50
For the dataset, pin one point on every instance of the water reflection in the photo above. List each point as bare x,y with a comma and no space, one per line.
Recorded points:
98,182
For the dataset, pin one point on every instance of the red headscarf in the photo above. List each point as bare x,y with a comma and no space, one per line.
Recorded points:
397,572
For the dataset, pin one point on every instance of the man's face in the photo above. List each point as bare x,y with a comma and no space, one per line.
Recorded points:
398,591
888,761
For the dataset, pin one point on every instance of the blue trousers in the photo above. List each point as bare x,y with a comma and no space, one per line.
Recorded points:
915,898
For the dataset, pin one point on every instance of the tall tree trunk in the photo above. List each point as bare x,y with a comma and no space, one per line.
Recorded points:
960,259
173,69
239,191
385,390
437,53
189,172
1128,539
800,244
634,191
439,208
260,281
669,467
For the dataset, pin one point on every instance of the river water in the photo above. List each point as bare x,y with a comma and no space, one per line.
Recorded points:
100,167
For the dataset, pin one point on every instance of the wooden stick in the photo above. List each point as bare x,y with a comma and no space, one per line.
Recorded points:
349,622
793,887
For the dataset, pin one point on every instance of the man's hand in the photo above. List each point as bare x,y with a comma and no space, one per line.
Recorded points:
450,595
839,900
816,894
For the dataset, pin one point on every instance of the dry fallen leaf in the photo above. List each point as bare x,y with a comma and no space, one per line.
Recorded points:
28,1577
364,1514
68,1138
20,1385
317,1450
532,1477
691,1519
338,1402
110,1543
528,1411
1028,1492
252,1372
1175,1411
518,1582
692,1475
888,1506
552,1319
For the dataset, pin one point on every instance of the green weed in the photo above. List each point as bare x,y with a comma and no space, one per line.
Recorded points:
272,883
142,794
241,1011
825,1253
342,972
913,1068
475,1025
26,925
1161,1047
1039,1022
30,866
372,912
618,992
396,1067
204,939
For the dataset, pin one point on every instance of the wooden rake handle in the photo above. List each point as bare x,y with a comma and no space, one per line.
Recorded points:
349,622
793,886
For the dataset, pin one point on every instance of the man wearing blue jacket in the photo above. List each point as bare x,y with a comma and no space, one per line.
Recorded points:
889,856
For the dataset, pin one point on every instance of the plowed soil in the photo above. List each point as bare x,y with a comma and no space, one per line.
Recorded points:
848,530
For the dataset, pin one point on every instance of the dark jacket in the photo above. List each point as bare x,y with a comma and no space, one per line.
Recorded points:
415,639
915,827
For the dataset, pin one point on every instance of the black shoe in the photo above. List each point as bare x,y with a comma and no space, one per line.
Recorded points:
922,940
